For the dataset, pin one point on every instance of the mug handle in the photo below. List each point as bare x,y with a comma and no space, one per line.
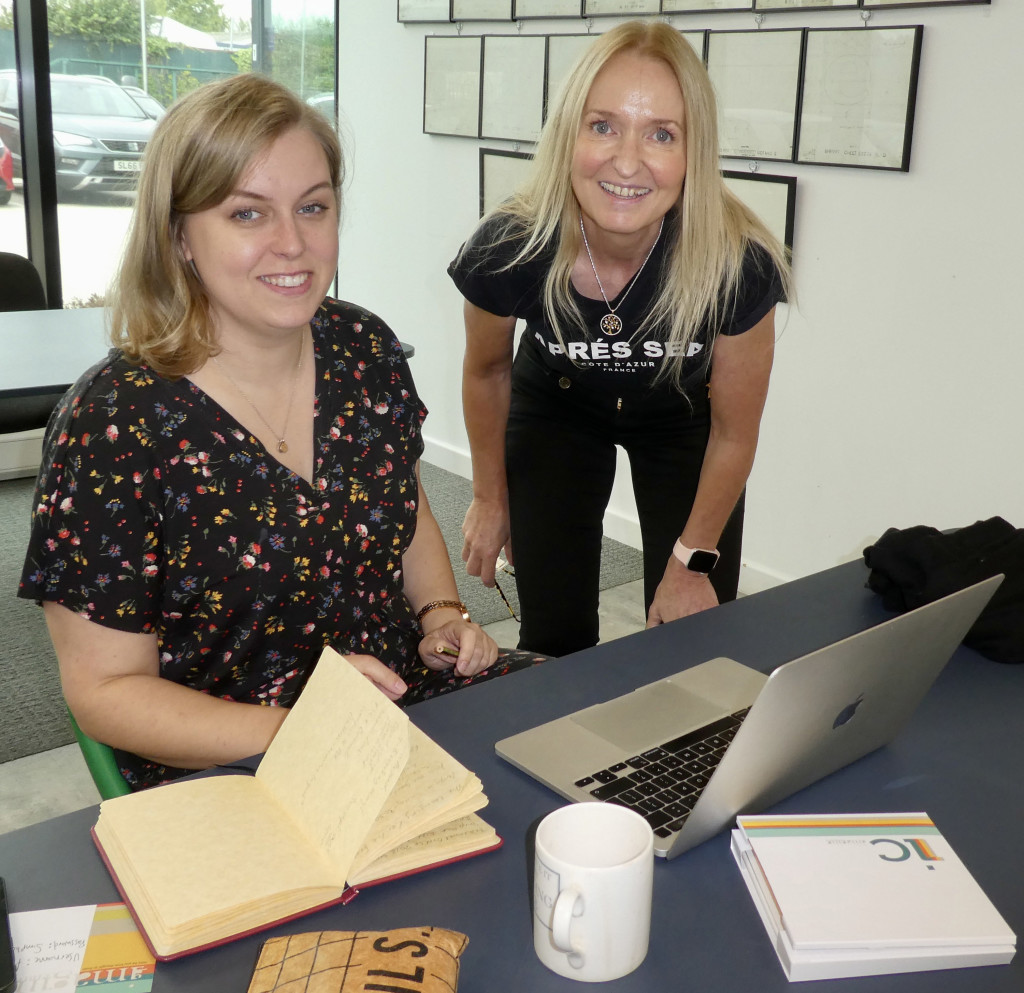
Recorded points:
568,904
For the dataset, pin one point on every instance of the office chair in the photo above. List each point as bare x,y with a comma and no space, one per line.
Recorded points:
101,764
21,288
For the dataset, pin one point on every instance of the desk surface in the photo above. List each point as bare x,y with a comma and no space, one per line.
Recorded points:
960,760
45,351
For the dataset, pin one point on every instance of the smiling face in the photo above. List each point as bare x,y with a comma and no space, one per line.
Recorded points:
267,254
630,155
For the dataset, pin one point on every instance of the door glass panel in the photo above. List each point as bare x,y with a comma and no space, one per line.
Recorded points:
107,95
13,237
298,48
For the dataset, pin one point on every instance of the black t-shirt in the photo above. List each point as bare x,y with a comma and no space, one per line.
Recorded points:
625,361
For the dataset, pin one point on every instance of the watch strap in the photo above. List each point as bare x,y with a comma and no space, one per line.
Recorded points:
701,560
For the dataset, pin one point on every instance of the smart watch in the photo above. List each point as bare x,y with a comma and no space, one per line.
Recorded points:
701,560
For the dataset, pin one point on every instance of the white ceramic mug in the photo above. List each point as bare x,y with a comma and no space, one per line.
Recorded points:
593,872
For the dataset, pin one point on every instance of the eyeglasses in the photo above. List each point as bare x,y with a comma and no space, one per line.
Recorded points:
502,566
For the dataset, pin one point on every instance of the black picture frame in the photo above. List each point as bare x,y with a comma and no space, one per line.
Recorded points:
858,96
513,86
781,219
424,11
452,85
525,10
489,195
757,103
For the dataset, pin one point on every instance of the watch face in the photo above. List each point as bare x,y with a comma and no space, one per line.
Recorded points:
702,561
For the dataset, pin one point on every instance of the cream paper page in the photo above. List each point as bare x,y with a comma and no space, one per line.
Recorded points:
207,848
433,788
459,837
337,757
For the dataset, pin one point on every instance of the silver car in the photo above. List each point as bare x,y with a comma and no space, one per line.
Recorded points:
99,131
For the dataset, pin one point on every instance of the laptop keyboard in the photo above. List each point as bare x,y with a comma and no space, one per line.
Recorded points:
663,783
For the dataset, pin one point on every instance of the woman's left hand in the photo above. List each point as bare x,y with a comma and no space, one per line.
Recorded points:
679,594
476,649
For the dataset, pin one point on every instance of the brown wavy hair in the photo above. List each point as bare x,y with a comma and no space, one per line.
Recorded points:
160,311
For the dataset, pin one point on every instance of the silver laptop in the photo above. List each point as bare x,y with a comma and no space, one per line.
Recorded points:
692,751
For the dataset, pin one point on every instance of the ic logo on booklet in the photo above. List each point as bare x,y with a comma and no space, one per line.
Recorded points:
907,849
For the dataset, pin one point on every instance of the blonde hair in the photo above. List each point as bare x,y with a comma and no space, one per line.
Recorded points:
711,228
161,312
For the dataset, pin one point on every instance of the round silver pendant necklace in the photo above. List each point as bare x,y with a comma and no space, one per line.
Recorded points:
611,324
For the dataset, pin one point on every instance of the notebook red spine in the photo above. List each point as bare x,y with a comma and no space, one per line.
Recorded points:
346,897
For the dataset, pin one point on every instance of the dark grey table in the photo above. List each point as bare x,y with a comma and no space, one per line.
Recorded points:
961,759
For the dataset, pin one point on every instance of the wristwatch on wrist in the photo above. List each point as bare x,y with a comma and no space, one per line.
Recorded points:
701,560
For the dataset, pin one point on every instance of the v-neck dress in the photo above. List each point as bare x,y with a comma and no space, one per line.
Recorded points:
156,512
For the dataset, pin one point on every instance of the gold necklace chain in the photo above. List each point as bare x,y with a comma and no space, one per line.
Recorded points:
611,324
282,445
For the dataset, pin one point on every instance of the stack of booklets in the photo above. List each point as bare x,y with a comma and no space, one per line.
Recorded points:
865,895
349,794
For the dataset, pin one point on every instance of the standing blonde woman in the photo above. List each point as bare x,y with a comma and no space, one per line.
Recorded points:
649,293
236,484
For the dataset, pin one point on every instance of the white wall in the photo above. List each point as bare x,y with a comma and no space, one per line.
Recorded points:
896,397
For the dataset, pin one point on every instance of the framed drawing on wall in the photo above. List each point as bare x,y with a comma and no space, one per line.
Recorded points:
803,4
772,198
563,52
610,8
451,85
756,75
414,11
481,10
513,91
501,172
704,6
859,91
919,3
698,42
524,9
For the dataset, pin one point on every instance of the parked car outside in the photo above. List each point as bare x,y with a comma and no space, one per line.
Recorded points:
151,107
6,174
99,131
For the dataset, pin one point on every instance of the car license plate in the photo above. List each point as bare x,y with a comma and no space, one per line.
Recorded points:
127,165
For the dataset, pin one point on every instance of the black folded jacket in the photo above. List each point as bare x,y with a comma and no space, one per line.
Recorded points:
916,565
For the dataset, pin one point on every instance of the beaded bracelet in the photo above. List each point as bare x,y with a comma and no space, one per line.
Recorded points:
437,604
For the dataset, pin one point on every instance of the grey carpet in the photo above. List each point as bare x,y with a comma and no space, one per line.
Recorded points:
450,496
32,715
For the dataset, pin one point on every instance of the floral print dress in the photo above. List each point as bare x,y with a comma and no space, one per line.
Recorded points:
156,512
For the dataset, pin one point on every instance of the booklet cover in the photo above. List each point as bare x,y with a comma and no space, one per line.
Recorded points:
866,894
93,946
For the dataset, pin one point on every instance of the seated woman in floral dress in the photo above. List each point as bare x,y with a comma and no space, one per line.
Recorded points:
236,484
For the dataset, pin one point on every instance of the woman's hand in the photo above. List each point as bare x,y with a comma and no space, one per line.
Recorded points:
679,594
387,681
486,533
476,649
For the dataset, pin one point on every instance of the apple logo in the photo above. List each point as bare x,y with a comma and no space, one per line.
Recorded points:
847,712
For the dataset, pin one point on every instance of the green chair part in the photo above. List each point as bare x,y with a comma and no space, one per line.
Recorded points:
101,763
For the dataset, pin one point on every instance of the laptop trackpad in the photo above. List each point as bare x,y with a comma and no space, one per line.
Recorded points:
649,716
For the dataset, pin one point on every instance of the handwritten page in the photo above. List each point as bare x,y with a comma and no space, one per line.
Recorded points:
434,787
80,947
231,835
337,757
460,837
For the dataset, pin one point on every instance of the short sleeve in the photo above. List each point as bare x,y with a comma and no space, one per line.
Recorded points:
95,544
481,272
759,289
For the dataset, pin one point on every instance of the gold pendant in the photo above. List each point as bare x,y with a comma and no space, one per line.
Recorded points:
611,325
282,446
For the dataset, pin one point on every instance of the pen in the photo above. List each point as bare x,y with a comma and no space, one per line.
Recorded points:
445,650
